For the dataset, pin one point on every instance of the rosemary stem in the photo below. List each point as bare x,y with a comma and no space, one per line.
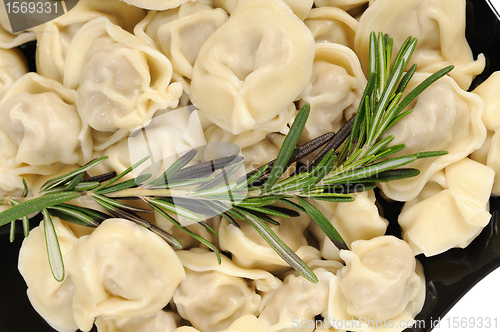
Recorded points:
142,192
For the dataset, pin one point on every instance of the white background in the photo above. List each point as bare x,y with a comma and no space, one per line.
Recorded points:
482,301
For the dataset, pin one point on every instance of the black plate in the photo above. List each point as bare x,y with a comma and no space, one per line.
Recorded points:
448,276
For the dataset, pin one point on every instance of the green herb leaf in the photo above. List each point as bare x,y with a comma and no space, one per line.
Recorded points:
74,182
252,178
174,168
74,216
25,188
61,179
35,205
116,204
288,147
124,185
372,170
12,234
122,174
176,209
280,247
159,209
53,249
323,223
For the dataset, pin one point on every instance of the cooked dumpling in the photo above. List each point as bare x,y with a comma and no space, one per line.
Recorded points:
247,139
261,153
379,278
9,39
121,269
167,137
253,67
381,281
454,205
250,250
187,240
12,67
343,4
156,4
121,81
488,91
439,27
50,298
212,297
40,131
493,161
445,118
227,5
202,260
296,301
160,321
337,85
332,25
300,7
54,37
179,34
247,323
489,154
357,220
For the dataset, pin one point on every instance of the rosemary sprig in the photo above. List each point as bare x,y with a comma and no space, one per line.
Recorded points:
203,190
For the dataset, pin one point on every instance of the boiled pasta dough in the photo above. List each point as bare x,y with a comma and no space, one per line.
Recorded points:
187,241
212,300
167,137
439,27
337,85
444,117
159,321
120,80
50,298
7,38
357,220
381,281
488,90
121,269
490,150
258,154
279,125
332,25
41,131
54,37
247,323
297,300
156,4
454,205
379,278
179,33
342,4
12,67
493,160
301,8
202,260
250,250
237,80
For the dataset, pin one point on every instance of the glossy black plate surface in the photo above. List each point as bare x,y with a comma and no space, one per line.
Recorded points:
448,276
